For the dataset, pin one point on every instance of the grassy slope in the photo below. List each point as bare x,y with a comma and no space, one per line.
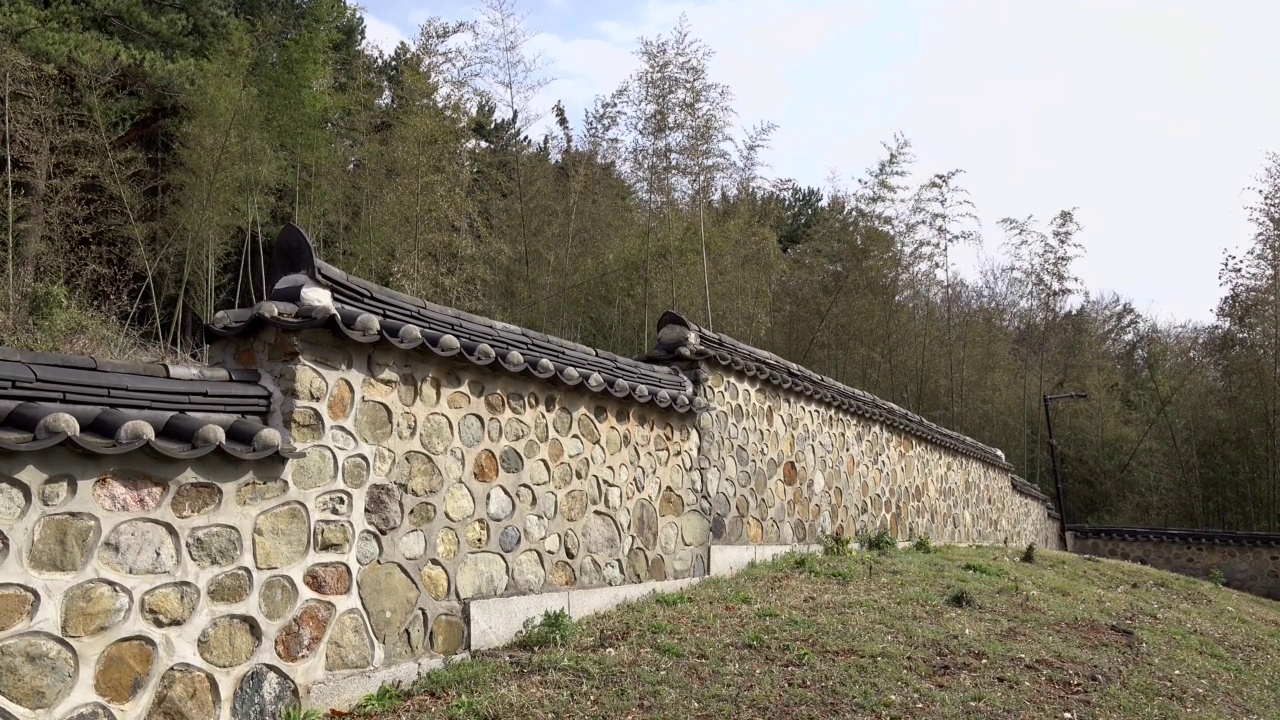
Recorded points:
872,636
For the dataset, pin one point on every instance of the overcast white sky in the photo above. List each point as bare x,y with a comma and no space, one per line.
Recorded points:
1150,116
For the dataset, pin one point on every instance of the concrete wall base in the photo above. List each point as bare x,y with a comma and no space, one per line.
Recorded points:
729,559
344,692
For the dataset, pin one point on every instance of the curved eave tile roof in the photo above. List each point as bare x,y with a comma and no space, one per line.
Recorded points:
109,408
1027,488
680,339
1174,535
311,293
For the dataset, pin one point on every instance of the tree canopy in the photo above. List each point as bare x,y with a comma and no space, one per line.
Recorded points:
152,149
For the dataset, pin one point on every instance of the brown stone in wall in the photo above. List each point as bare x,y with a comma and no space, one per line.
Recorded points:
340,401
328,578
123,670
301,637
184,693
16,606
195,499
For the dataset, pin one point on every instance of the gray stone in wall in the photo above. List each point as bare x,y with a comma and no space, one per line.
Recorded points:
264,693
139,547
36,670
601,535
389,596
481,575
170,605
349,646
281,536
213,546
92,607
62,543
277,597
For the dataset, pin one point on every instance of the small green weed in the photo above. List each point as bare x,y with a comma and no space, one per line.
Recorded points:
980,569
741,597
1029,555
384,698
454,676
754,639
923,545
297,713
670,599
836,544
553,629
661,628
804,561
879,542
466,707
670,649
768,613
1217,578
961,598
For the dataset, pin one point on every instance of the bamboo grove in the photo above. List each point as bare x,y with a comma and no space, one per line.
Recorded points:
151,150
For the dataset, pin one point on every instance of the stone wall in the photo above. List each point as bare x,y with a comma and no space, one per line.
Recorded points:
427,487
166,591
782,467
1253,568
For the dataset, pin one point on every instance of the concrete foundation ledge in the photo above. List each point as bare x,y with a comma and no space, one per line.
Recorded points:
496,621
345,692
729,559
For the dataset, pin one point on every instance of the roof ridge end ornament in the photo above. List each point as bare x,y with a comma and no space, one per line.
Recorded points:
292,254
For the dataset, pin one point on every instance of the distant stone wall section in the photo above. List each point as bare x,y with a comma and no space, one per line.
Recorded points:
1248,561
785,467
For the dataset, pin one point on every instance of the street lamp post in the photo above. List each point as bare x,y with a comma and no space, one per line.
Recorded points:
1053,459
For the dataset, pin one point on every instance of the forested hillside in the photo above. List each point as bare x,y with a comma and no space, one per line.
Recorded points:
153,149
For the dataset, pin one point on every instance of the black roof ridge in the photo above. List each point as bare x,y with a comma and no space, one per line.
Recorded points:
309,292
174,371
1190,535
109,407
691,342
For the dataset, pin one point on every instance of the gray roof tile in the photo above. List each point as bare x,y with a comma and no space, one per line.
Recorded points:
84,403
367,312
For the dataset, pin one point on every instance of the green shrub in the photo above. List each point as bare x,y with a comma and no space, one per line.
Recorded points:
836,544
879,542
297,713
1029,555
923,545
980,569
804,561
1217,578
961,598
553,629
